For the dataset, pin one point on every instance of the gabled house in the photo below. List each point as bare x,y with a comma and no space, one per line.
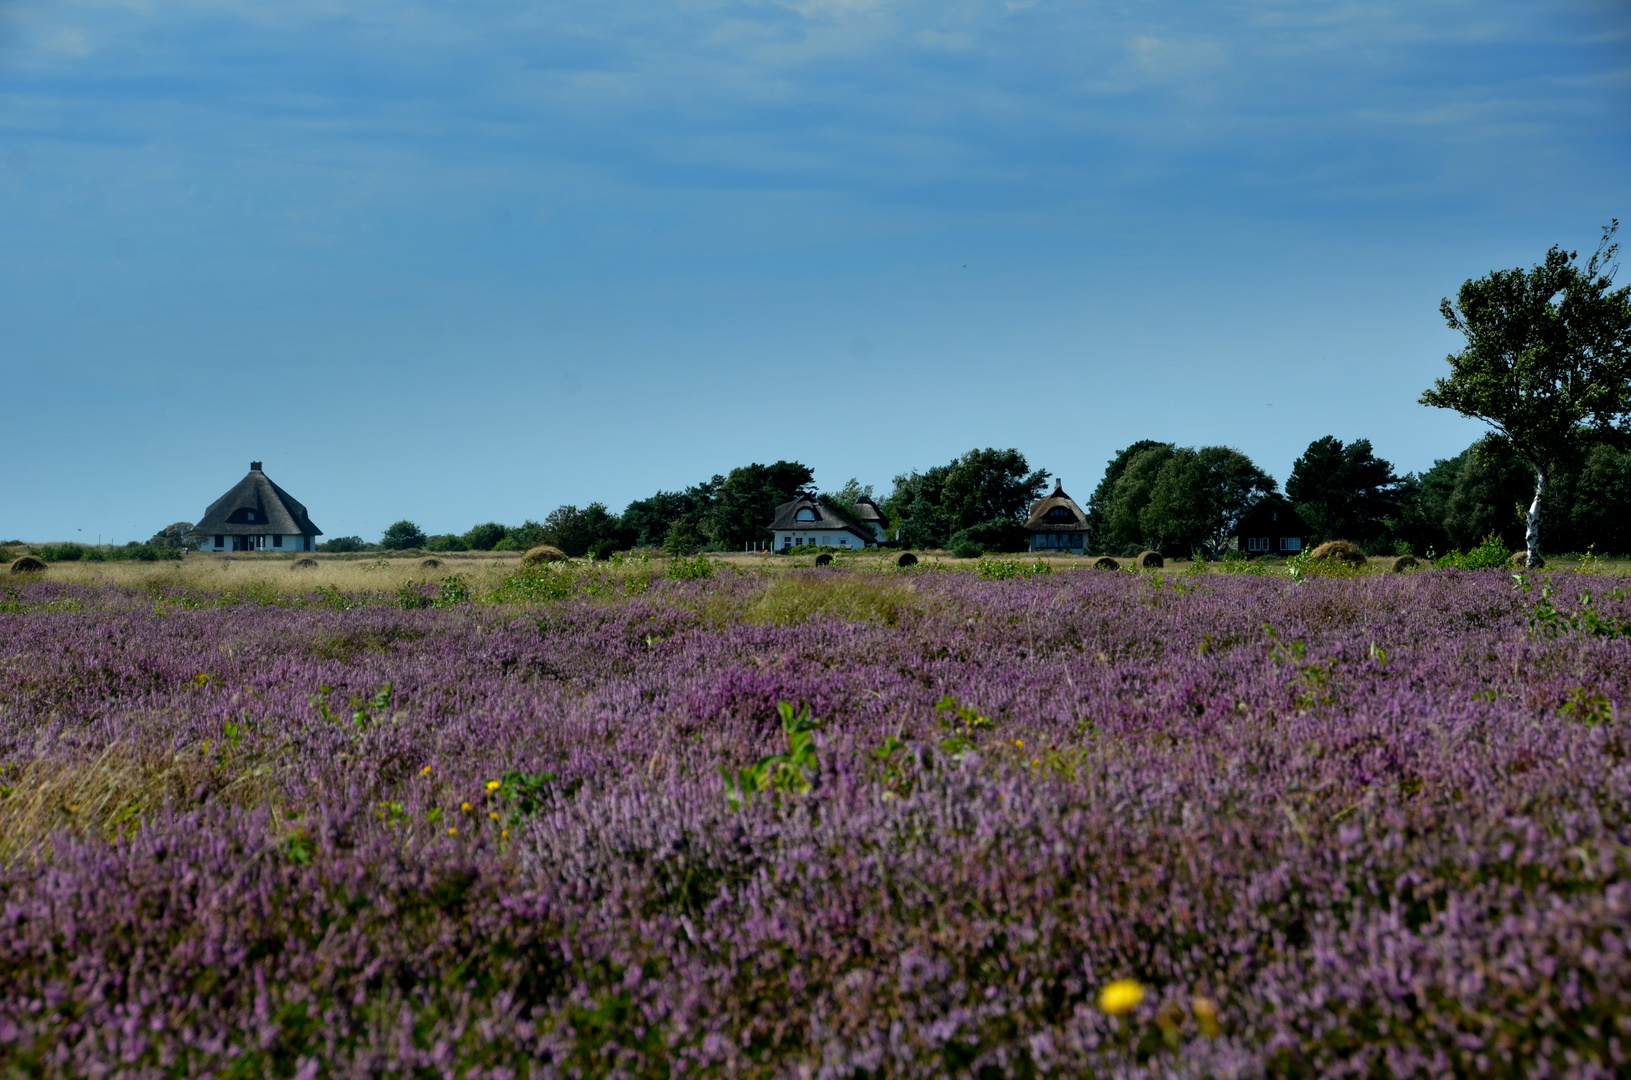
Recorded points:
1057,523
257,515
1272,527
868,516
807,520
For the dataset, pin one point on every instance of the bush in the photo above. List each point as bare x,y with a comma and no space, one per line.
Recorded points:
682,539
967,550
692,569
345,544
61,553
447,542
995,535
601,550
1490,555
402,535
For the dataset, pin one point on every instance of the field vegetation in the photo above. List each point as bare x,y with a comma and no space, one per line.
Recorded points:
736,816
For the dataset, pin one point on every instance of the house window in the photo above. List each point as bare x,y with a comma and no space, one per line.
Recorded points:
219,540
1257,543
249,515
805,515
277,541
1291,543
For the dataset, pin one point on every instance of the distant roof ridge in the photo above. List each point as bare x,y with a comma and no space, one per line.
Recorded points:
277,511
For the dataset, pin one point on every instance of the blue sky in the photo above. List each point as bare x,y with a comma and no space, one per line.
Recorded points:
469,261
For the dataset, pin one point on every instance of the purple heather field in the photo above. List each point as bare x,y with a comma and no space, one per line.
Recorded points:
1379,821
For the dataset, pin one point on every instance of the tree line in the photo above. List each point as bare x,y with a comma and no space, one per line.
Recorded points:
1546,365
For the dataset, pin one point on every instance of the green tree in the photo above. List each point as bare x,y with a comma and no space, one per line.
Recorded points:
1099,533
745,504
1547,363
647,521
1599,514
681,538
402,535
1199,496
177,537
981,498
914,507
845,497
576,531
1344,492
1130,495
484,537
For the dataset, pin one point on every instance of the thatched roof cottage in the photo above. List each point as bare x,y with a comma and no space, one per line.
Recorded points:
257,515
809,521
1057,523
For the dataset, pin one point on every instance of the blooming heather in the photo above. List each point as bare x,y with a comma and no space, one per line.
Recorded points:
1366,827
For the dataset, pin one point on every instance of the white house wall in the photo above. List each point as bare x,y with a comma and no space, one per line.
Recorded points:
824,538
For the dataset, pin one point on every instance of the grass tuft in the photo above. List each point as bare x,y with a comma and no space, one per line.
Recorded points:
797,598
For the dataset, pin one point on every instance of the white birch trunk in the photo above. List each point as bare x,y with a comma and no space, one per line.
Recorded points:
1531,533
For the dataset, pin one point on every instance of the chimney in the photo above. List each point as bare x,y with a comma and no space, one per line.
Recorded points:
254,466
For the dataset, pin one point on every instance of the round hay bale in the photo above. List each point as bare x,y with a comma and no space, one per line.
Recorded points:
906,559
1149,560
1520,561
823,559
430,563
544,553
28,564
1340,551
1105,562
1403,563
307,563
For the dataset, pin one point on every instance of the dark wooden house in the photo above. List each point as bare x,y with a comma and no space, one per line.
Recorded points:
1272,527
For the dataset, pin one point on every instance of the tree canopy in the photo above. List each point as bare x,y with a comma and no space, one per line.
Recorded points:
982,498
1343,492
1547,364
1185,498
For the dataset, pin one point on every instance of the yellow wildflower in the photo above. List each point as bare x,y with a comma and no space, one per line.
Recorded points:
425,771
454,831
492,786
493,814
505,835
1206,1014
465,807
1121,997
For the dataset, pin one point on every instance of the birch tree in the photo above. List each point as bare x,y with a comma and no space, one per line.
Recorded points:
1547,363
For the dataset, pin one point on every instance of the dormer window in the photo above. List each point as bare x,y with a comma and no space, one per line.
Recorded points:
1060,513
806,514
249,515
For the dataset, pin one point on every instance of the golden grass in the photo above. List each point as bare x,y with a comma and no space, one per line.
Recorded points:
251,573
856,597
111,793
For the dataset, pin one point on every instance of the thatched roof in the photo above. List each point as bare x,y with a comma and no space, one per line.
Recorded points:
827,518
867,512
1057,513
256,507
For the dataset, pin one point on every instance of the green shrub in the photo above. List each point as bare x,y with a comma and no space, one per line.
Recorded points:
967,549
1489,555
446,543
601,550
61,552
692,569
345,544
